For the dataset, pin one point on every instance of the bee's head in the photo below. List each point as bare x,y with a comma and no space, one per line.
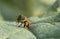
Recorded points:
20,17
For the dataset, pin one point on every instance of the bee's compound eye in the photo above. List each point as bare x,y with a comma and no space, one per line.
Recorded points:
20,16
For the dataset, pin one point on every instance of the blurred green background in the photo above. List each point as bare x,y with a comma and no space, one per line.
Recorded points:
10,9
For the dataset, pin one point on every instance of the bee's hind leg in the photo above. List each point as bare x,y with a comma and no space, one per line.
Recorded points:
28,26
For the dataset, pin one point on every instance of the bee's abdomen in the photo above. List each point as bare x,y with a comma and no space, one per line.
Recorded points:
26,23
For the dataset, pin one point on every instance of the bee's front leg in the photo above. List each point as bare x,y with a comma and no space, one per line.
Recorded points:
24,25
19,24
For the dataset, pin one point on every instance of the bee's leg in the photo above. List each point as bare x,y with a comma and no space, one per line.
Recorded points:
24,25
28,26
19,24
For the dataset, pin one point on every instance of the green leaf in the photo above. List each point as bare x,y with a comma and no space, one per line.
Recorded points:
11,31
46,30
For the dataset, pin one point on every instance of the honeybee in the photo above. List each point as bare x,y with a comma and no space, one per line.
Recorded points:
22,20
